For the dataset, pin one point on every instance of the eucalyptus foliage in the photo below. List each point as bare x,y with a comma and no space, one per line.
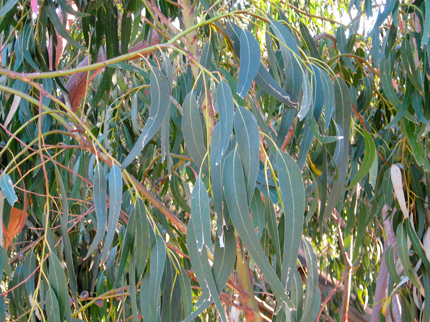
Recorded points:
178,160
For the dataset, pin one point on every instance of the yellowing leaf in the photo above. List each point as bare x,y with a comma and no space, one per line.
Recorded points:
396,178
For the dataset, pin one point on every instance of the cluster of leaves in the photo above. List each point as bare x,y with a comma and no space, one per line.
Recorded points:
253,135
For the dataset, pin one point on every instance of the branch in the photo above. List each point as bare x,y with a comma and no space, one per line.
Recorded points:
77,83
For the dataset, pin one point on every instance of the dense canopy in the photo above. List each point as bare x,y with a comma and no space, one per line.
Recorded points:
172,160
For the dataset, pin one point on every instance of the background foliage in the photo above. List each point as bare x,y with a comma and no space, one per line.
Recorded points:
226,160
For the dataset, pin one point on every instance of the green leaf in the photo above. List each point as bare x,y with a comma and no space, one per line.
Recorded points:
307,102
203,272
141,236
324,139
293,204
342,47
186,294
263,77
7,189
157,262
7,7
248,142
5,262
388,8
200,215
58,282
216,167
310,43
290,54
159,109
193,132
406,51
408,128
225,104
426,35
249,62
115,196
224,257
99,192
52,308
328,98
312,297
343,118
403,249
132,289
391,265
369,157
296,291
49,8
426,285
66,8
2,309
257,211
29,267
272,224
234,185
416,243
271,87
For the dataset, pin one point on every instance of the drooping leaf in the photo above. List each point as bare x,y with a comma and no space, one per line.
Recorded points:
270,86
343,118
403,249
115,196
158,260
201,216
58,282
257,211
310,43
226,113
49,8
293,203
224,257
416,243
248,142
312,298
193,135
28,267
99,191
391,264
132,289
141,236
66,8
263,77
249,62
216,177
52,307
234,185
367,162
159,109
290,54
7,7
203,272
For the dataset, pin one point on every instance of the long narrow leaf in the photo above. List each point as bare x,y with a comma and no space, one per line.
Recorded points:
201,215
115,196
159,109
250,55
293,202
234,185
99,191
248,141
